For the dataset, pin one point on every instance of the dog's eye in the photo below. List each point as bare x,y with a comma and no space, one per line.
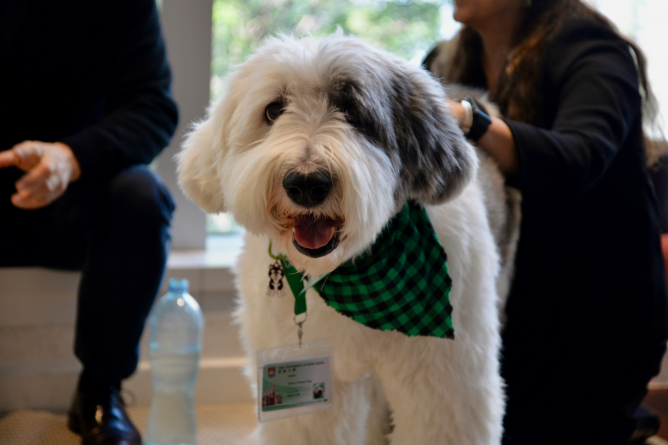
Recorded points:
273,111
350,117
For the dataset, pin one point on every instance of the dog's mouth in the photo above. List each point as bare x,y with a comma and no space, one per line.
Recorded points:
315,236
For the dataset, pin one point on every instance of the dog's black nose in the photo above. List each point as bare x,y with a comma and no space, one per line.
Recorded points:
309,189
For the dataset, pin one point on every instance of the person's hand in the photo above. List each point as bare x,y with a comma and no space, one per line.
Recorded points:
50,168
497,141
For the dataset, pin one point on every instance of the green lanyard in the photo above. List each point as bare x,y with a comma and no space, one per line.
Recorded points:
296,283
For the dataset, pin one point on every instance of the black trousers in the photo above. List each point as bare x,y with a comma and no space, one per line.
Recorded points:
558,397
117,233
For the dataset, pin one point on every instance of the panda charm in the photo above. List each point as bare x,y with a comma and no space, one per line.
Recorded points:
276,275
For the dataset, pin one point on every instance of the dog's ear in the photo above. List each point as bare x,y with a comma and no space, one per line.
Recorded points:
199,161
437,159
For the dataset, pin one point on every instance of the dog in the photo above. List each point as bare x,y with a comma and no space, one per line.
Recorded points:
314,148
318,391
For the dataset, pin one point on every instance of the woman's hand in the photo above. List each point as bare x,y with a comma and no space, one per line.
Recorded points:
50,168
497,141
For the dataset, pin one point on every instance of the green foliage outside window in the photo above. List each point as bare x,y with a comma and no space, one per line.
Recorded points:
407,28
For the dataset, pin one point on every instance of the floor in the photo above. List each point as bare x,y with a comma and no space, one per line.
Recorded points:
657,401
228,424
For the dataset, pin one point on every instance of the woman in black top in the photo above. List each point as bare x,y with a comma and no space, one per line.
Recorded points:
587,317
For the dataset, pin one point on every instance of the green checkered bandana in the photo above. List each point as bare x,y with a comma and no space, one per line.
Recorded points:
401,284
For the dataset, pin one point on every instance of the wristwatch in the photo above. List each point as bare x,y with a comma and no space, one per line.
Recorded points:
477,120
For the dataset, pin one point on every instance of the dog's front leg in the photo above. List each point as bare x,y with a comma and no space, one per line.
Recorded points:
441,392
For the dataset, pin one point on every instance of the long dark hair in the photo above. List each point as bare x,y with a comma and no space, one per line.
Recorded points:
517,83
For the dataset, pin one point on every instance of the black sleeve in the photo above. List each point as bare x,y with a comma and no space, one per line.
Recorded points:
594,79
140,114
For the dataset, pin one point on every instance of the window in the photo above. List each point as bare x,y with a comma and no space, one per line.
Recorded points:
644,22
408,28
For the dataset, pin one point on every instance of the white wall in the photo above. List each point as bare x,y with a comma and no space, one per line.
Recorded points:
186,26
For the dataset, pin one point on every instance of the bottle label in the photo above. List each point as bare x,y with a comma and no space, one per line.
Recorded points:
293,381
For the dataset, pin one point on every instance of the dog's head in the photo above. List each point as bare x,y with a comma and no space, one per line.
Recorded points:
319,143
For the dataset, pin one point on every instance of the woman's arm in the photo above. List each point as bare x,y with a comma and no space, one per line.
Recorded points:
592,95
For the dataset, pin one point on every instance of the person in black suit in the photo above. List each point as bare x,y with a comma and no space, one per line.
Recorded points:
587,315
85,106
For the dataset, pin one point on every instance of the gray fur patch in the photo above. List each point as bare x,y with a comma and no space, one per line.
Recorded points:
402,113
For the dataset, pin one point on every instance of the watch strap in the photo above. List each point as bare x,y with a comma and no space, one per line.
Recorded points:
481,120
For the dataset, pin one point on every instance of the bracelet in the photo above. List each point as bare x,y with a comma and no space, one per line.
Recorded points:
467,121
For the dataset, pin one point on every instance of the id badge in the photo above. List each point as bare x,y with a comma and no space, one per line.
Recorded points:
293,381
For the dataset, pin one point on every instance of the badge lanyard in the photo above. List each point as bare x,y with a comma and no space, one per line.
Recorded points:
296,283
293,380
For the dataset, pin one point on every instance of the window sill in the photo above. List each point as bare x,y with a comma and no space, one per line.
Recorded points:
220,253
208,270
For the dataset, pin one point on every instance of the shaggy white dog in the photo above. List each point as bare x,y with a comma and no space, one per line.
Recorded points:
315,146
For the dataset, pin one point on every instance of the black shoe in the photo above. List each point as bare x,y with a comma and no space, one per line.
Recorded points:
647,425
99,416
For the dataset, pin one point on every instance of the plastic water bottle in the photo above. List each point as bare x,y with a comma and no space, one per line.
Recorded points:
175,339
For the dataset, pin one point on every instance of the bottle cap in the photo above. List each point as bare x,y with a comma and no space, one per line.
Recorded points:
178,285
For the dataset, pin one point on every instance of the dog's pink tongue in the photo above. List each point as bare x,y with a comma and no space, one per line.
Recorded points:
313,234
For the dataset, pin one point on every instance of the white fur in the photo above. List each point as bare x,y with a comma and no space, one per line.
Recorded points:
438,391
